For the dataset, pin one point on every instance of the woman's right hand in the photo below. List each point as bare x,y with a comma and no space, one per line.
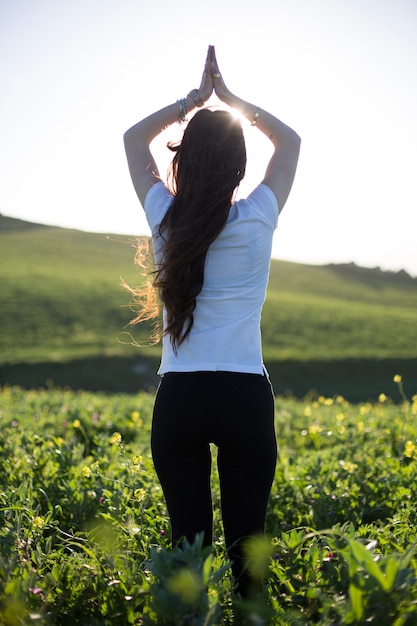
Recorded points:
222,92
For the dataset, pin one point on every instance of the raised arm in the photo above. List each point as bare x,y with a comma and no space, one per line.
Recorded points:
142,166
280,172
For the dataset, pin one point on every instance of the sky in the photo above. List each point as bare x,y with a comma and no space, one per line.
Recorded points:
75,75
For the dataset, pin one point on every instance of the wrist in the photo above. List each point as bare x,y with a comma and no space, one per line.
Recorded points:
187,104
194,96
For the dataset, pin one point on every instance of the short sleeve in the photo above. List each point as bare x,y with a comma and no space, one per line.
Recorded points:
157,202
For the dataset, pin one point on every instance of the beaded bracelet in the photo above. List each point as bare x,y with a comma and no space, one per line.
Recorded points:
182,115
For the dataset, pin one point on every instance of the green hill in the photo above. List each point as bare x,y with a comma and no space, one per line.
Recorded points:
338,329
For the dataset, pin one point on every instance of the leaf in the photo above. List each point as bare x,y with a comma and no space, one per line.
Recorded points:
391,570
207,569
356,599
365,558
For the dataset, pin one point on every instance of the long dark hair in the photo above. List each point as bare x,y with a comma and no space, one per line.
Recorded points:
207,168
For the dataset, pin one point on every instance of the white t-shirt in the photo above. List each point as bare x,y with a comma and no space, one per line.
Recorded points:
226,333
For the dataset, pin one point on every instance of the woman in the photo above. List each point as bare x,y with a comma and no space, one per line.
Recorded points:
212,257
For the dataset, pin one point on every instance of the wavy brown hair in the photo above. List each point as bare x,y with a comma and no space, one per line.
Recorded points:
207,168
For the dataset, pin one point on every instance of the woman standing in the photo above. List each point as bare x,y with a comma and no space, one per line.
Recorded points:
212,257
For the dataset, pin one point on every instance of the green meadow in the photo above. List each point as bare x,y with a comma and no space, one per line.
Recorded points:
84,530
63,319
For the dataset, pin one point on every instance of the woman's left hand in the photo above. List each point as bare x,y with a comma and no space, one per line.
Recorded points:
206,87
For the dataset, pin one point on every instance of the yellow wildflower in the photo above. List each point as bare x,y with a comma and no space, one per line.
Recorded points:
140,494
76,424
116,438
382,398
348,466
361,427
315,429
136,418
397,378
307,411
137,460
86,472
409,449
38,521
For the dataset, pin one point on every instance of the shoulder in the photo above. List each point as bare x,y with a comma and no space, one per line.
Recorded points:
260,203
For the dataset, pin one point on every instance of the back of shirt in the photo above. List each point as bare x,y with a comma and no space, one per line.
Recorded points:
226,332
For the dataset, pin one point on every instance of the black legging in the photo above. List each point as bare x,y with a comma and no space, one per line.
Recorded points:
235,412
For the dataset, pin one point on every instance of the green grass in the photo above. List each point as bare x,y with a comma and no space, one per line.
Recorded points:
345,327
84,531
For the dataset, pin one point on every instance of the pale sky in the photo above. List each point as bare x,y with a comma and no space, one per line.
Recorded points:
75,75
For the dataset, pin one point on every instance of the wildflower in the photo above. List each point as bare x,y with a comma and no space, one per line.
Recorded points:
136,418
76,424
361,427
132,527
140,494
35,590
315,429
137,460
95,466
116,438
307,411
397,378
86,472
382,398
409,449
348,466
340,417
38,521
340,400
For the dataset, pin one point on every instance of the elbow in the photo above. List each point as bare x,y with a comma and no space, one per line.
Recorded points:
127,136
296,138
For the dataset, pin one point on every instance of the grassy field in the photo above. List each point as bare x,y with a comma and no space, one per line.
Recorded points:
63,316
84,532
